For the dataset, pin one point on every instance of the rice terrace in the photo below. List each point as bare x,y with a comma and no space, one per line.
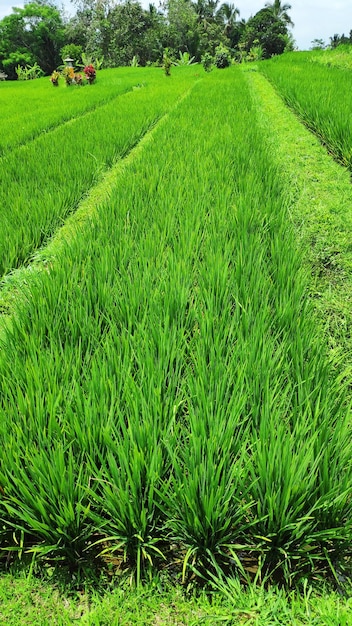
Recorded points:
175,329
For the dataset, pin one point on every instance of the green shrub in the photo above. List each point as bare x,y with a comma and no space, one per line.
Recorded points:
207,61
222,57
29,72
71,51
167,62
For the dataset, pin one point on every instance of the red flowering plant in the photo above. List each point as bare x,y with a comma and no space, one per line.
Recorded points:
90,73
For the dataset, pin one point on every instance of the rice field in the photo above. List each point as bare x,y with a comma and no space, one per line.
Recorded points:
29,108
166,395
54,171
315,87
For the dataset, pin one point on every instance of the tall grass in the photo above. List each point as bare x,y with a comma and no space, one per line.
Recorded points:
43,181
34,107
171,371
318,93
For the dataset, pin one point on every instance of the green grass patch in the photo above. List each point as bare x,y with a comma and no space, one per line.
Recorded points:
43,181
321,200
42,602
319,95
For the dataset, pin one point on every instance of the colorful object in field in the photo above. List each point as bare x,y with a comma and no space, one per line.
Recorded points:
54,78
90,73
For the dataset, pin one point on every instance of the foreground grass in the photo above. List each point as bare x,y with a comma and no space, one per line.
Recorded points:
31,601
169,388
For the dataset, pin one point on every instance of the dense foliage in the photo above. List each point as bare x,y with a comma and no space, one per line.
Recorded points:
268,31
31,35
125,32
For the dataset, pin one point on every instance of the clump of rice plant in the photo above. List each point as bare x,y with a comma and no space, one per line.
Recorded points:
318,95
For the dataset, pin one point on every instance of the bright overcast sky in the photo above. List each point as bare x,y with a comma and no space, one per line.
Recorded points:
313,19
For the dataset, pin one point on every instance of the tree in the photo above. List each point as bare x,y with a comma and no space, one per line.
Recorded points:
118,31
338,40
207,11
228,13
318,44
183,33
211,36
34,34
155,38
88,27
280,11
266,30
132,31
233,29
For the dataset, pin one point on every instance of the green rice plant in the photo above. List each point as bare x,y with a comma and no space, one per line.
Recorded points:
172,350
126,510
31,108
45,499
207,502
319,94
54,172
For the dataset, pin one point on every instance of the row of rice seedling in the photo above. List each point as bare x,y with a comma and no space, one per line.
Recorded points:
319,95
43,181
33,107
337,57
165,393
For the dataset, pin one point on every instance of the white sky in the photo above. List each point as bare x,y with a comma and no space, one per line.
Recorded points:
313,19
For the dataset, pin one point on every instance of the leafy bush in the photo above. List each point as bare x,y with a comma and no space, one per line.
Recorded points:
184,59
222,57
255,54
69,75
135,61
207,61
90,73
167,63
29,72
71,51
54,78
88,59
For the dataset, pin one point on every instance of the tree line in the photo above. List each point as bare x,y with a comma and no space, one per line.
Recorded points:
123,32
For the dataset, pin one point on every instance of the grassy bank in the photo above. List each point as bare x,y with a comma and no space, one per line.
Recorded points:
32,601
319,94
321,200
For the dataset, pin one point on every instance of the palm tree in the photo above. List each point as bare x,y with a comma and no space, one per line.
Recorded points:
280,11
228,14
206,10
